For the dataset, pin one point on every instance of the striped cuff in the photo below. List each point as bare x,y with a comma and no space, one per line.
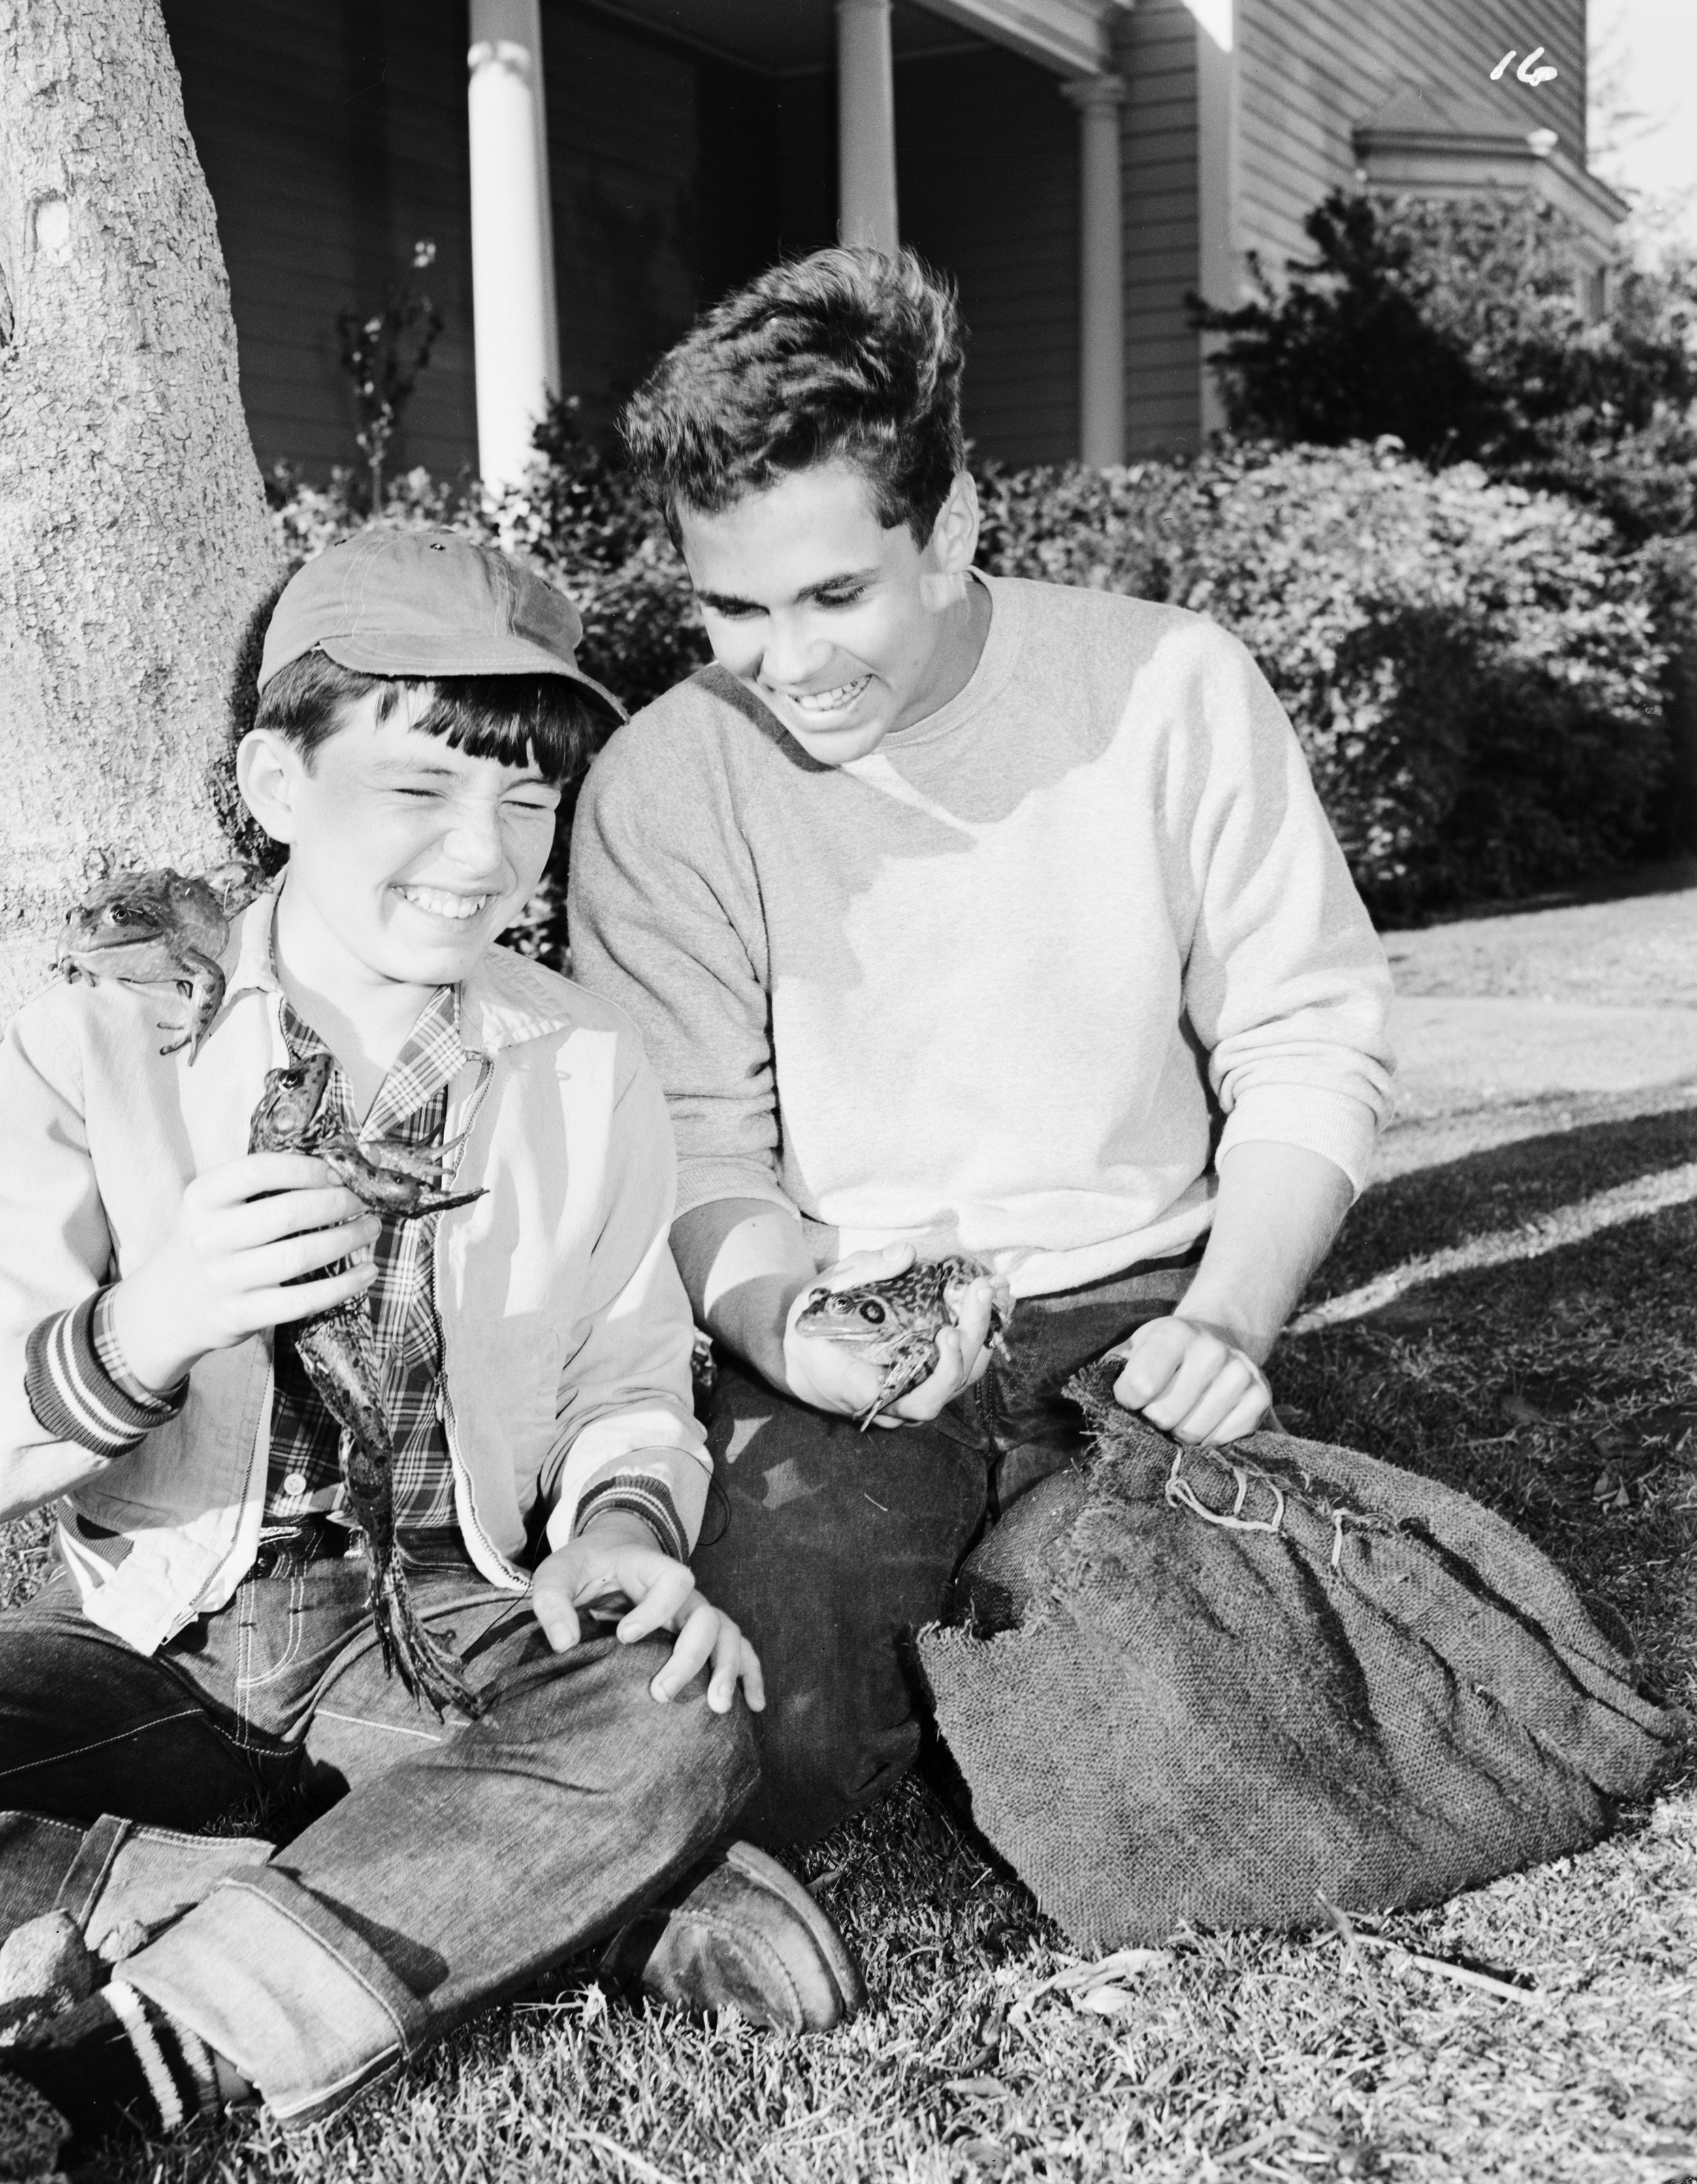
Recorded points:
644,1496
73,1393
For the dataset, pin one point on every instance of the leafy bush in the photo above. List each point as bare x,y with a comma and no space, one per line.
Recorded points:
1455,325
1474,670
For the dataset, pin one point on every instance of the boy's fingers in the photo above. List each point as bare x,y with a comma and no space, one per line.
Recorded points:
258,1221
1216,1401
282,1307
554,1610
1244,1416
273,1264
238,1180
695,1643
753,1677
660,1606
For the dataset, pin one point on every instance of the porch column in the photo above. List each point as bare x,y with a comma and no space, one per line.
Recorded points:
1102,272
516,333
865,126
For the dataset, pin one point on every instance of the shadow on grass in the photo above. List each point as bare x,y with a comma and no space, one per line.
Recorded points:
1558,1390
1430,1209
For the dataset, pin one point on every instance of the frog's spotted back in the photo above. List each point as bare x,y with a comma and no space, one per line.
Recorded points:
895,1323
160,928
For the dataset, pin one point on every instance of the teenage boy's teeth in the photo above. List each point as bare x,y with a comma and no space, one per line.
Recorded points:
444,905
829,701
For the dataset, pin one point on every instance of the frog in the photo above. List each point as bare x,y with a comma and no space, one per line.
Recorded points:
894,1322
161,927
339,1349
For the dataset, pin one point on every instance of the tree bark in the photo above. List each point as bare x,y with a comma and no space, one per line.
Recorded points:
134,546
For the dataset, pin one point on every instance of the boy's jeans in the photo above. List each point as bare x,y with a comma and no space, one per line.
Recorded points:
448,1864
830,1547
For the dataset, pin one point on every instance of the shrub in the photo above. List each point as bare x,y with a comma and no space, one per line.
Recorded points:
1455,325
1473,670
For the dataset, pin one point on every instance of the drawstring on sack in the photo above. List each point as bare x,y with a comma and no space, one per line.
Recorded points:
1181,1495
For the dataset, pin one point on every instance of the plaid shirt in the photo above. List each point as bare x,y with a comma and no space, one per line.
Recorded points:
305,1469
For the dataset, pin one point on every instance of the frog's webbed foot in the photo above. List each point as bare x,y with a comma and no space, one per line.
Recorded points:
401,1180
202,988
427,1669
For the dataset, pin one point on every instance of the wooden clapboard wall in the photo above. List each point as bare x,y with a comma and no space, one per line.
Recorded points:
1311,70
1159,153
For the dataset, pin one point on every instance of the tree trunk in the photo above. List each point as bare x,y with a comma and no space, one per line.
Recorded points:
134,548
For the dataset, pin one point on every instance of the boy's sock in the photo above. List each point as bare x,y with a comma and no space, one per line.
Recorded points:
118,2054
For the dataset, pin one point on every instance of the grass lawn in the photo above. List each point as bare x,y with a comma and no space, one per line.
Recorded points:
1558,1387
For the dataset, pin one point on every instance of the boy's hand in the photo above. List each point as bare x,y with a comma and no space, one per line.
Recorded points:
832,1376
616,1555
242,1232
1191,1380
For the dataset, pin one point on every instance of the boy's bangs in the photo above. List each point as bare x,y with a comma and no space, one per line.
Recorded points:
517,719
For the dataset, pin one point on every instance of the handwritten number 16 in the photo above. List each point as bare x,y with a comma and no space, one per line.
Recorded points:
1528,71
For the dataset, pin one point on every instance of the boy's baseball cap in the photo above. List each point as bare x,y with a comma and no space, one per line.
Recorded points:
426,602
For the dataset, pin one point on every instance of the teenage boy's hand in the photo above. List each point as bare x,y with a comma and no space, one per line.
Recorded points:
831,1377
1192,1381
242,1232
615,1556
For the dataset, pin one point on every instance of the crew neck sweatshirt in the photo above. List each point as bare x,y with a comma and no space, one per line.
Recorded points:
1015,981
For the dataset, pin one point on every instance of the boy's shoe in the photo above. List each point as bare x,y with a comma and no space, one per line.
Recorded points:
740,1929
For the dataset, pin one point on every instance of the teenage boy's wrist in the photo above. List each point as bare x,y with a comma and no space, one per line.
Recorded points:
1226,1318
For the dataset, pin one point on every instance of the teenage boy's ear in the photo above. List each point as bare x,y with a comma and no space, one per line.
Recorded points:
954,539
268,771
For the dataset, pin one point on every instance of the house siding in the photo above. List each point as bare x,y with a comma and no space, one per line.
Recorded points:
1157,57
333,136
1310,71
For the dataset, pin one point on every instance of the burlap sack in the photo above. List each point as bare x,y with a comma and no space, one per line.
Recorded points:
1216,1686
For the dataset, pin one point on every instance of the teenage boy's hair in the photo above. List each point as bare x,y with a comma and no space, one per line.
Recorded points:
846,355
499,717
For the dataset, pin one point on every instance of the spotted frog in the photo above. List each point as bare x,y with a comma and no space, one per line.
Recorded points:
895,1323
161,929
339,1352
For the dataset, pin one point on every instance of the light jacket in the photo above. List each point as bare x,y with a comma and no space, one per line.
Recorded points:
566,1334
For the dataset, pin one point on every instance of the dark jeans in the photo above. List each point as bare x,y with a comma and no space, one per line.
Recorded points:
830,1545
437,1865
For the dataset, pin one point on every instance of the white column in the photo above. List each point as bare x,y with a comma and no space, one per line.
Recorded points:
515,329
865,126
1101,271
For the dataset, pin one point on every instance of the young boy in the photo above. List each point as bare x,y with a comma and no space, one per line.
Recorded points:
206,1651
957,914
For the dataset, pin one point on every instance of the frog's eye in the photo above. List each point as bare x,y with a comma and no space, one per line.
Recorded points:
872,1311
116,914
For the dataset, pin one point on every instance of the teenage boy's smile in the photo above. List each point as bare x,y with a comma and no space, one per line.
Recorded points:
844,629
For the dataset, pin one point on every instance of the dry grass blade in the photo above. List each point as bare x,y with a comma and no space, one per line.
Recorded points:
1462,1974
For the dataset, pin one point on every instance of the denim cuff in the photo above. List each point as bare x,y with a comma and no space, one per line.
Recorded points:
268,1975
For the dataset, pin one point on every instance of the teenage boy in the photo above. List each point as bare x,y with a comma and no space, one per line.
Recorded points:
206,1649
956,913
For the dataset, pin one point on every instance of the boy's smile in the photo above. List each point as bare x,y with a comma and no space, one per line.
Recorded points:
406,857
844,630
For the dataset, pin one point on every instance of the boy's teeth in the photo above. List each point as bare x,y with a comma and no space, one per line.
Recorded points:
830,701
444,904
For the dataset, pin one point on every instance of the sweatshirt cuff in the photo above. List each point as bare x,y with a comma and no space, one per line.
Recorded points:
1338,1126
638,1495
80,1388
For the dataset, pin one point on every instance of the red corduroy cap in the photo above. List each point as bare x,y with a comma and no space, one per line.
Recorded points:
426,602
